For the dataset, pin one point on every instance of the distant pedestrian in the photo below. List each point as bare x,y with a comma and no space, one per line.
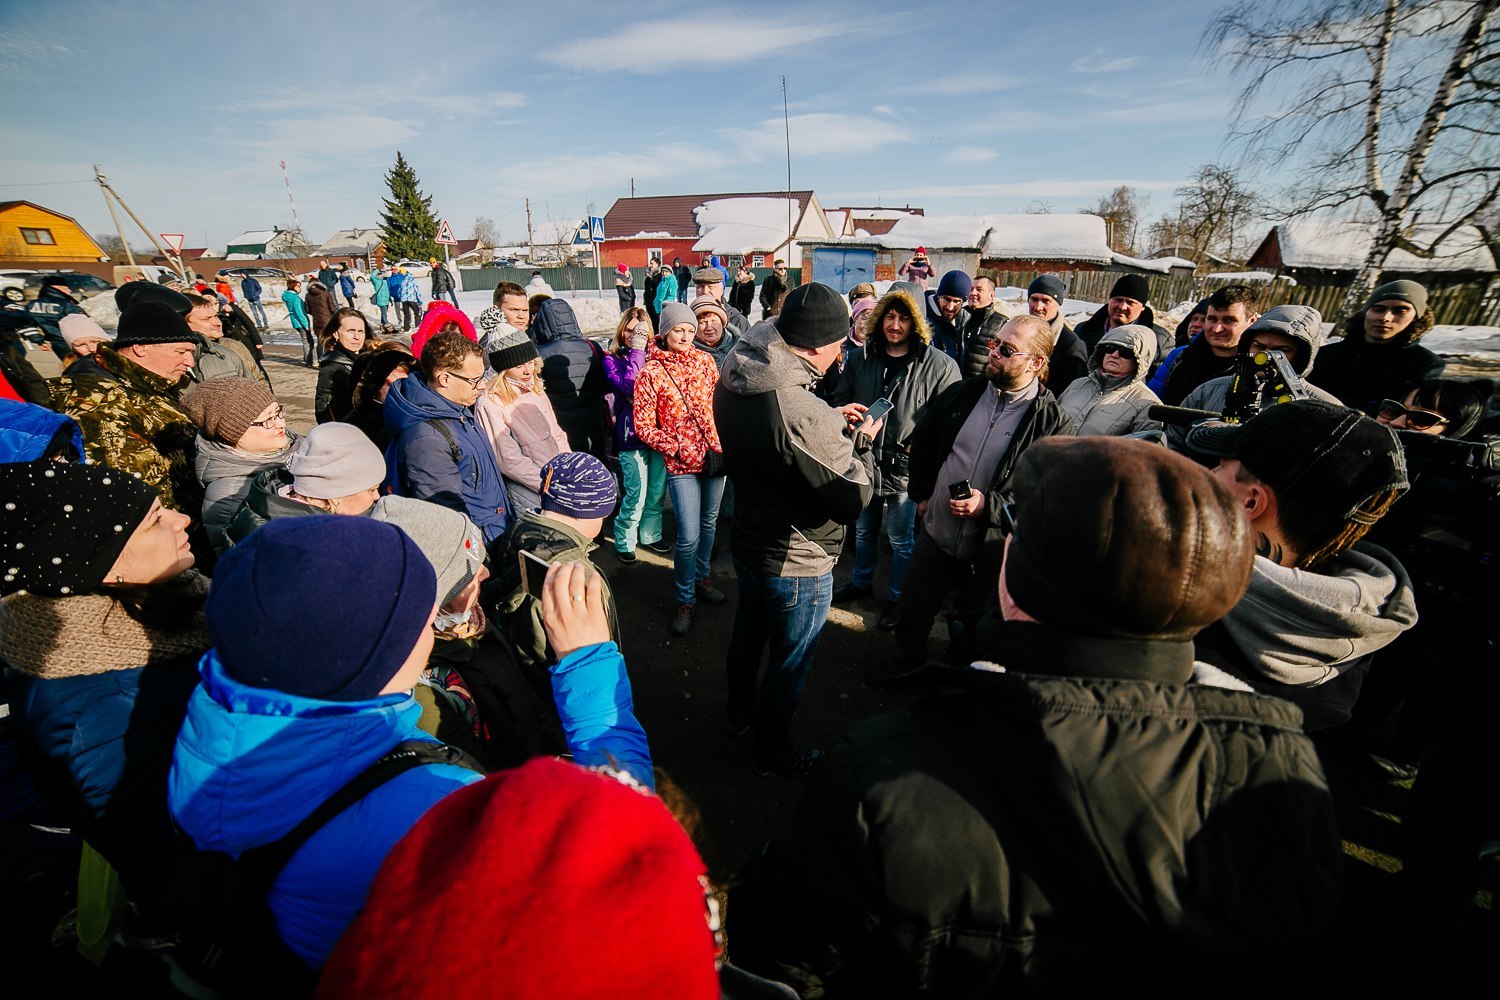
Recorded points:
743,292
346,285
297,315
328,277
684,276
251,289
381,294
772,289
917,269
624,287
443,284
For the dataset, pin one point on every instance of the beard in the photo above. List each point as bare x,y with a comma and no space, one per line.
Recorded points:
1004,379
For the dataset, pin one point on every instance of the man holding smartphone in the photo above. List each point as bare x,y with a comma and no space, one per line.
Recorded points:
963,454
896,377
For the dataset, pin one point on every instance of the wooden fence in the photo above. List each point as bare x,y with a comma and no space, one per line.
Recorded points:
582,278
1472,304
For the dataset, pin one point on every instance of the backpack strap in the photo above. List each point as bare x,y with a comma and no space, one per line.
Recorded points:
441,426
267,861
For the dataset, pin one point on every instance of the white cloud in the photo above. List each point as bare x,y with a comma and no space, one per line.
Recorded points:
883,109
1095,62
969,155
671,46
338,131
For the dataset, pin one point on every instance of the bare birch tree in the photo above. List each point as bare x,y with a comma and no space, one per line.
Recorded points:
1211,215
1367,90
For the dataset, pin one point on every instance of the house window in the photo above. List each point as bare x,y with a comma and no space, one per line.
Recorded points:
653,253
38,237
758,260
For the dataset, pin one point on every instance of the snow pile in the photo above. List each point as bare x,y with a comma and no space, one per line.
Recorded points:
1176,262
1247,276
1337,245
740,225
1140,264
660,234
1469,340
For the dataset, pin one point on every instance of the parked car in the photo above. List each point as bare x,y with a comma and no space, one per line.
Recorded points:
82,285
255,271
415,268
12,285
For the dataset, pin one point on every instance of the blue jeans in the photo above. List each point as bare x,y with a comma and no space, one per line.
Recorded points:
645,476
696,502
900,524
785,615
258,313
382,313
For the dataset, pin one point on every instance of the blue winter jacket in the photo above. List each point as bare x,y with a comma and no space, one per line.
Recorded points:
253,763
594,702
250,288
666,291
1158,380
27,429
419,459
296,312
346,284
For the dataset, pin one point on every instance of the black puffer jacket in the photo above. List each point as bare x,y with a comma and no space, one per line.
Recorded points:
1091,329
335,385
1086,814
573,375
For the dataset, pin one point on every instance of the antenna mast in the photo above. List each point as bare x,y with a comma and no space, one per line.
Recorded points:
296,225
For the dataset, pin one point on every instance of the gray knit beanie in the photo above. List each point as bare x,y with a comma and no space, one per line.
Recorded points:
447,538
506,347
335,460
674,313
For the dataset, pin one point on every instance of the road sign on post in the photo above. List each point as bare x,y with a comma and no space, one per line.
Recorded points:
596,229
173,242
445,234
596,236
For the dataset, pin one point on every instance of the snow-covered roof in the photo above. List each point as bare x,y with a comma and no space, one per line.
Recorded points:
1138,264
1337,245
1175,262
938,232
363,239
837,218
881,213
1048,237
660,234
255,236
740,225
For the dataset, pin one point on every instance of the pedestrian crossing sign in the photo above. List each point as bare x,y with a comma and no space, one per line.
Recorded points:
596,229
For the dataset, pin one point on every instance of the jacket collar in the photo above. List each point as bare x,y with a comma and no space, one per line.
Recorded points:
1033,648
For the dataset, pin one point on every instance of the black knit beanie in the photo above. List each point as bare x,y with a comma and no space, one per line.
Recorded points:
814,316
152,322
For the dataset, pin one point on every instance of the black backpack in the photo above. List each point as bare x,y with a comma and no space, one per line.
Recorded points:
226,934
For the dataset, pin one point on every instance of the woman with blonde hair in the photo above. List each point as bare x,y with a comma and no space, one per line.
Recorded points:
642,471
517,417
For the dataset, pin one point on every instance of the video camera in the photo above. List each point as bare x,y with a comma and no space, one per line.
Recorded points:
1261,379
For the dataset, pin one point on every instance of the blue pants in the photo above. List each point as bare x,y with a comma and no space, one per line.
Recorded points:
645,476
696,502
258,313
382,314
900,524
781,617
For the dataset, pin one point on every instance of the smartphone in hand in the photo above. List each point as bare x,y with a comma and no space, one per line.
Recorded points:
960,490
533,573
876,411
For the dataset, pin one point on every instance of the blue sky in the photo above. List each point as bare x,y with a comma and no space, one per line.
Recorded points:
967,108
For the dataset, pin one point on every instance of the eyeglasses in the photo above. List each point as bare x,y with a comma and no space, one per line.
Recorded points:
1416,419
1006,351
1121,350
1007,519
473,382
277,414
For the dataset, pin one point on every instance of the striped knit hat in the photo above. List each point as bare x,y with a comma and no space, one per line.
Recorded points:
577,484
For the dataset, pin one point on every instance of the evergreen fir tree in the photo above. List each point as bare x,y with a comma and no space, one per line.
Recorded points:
410,227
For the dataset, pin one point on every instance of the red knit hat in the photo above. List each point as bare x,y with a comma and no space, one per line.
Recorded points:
439,315
546,881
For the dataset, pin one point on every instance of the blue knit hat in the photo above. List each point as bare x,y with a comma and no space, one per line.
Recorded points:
577,484
269,615
958,284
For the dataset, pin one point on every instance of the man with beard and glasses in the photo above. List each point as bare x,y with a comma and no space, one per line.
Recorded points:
963,454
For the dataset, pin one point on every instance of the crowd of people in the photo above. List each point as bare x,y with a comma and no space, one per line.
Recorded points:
375,672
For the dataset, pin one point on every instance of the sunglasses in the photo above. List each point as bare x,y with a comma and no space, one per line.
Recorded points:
1416,419
1006,351
1007,519
1123,352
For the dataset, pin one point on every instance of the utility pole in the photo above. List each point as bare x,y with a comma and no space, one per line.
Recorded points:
530,240
181,268
632,187
787,127
104,191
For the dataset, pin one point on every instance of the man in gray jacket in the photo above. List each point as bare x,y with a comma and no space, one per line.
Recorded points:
1113,398
801,474
217,354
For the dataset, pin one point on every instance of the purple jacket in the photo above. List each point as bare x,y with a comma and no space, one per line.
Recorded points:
621,371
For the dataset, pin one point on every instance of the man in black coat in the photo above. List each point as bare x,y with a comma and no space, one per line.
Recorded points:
772,288
1076,813
1126,305
1070,361
684,276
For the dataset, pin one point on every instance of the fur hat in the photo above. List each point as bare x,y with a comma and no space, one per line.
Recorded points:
1124,539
